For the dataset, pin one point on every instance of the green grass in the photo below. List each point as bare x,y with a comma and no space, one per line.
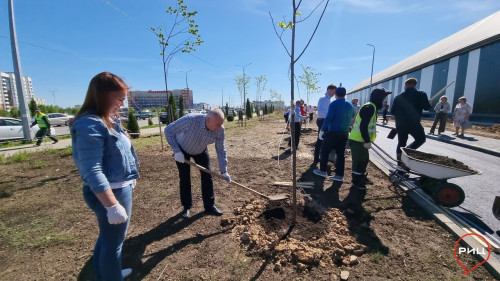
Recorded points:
2,158
68,151
34,234
20,157
7,144
39,164
152,126
377,257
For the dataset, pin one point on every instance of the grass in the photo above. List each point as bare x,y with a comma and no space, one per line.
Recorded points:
2,158
37,233
16,143
377,256
153,126
68,151
39,164
20,157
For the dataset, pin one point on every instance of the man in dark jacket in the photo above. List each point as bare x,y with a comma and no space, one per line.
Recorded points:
407,109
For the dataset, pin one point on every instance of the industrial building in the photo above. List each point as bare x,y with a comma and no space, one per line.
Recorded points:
469,60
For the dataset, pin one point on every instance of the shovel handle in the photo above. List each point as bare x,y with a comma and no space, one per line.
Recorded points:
223,178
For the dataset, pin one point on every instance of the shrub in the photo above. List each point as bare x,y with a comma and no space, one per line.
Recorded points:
230,118
150,121
133,126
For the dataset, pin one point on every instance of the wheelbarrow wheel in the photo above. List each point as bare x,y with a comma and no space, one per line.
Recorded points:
448,194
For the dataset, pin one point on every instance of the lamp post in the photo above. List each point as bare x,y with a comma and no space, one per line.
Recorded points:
244,86
187,86
373,60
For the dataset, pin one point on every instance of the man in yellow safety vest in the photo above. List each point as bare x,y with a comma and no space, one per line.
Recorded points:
363,133
44,124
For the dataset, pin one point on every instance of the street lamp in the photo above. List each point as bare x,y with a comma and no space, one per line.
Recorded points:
244,86
187,87
373,60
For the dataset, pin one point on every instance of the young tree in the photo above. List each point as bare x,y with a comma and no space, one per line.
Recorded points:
242,83
32,107
310,80
181,106
181,36
227,109
276,96
248,109
133,126
14,112
291,25
265,109
260,83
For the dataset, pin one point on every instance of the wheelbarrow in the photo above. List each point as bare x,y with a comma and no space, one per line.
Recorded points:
431,177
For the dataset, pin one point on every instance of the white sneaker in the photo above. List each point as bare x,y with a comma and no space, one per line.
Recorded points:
126,272
320,173
337,178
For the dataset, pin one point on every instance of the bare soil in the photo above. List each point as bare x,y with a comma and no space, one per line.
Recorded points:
48,233
437,159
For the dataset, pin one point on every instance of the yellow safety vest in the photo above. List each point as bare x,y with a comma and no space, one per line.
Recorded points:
39,121
372,126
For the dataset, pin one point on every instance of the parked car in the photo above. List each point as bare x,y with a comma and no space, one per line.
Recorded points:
59,119
12,128
163,117
143,114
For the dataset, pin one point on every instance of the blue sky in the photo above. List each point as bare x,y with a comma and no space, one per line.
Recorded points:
64,43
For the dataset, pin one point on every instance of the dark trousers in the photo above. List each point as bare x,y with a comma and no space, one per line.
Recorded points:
416,131
296,136
317,146
42,133
441,118
360,157
333,141
311,117
384,115
207,186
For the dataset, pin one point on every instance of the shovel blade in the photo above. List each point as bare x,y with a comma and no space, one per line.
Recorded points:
277,197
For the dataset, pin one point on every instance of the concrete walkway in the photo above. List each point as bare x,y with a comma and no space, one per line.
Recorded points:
478,143
59,145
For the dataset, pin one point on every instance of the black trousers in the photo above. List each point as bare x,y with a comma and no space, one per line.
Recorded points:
384,115
441,118
415,130
317,146
334,141
207,186
40,134
297,134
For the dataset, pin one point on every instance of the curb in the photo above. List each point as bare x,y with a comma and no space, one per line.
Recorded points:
446,219
472,147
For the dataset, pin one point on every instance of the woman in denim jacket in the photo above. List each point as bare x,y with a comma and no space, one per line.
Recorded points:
108,165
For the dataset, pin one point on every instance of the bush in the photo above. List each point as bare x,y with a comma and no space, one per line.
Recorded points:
230,118
133,126
150,121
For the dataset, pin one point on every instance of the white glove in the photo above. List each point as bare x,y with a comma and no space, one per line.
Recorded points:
227,177
367,145
116,214
320,136
179,157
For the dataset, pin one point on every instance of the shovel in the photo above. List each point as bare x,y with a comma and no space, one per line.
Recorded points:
278,197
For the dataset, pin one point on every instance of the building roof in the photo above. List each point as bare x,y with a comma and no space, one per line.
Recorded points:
472,37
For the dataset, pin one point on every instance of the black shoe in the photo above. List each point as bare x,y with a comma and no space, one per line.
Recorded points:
185,213
213,211
55,141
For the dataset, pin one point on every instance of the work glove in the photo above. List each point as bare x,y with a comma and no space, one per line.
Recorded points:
227,177
367,145
320,136
116,214
179,157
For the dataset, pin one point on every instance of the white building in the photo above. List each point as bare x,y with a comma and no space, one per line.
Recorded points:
8,95
40,101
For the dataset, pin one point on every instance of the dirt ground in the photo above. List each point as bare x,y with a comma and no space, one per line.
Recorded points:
484,131
47,232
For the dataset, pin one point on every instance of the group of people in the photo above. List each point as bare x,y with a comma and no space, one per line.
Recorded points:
461,116
108,165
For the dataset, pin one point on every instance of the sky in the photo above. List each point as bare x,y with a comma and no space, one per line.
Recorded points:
64,43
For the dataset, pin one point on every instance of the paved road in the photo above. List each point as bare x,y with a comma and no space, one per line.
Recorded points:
480,190
64,130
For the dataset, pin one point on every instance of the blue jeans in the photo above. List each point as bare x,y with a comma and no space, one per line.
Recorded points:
108,248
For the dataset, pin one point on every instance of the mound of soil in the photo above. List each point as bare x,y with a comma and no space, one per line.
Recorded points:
267,231
437,159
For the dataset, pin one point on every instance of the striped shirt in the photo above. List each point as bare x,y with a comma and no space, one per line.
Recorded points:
190,134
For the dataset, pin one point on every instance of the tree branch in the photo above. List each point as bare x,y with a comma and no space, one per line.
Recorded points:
312,11
315,29
281,40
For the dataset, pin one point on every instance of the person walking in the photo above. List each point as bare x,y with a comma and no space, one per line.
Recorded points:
310,110
107,163
298,117
407,109
189,136
364,132
334,133
323,104
44,124
461,115
442,109
385,110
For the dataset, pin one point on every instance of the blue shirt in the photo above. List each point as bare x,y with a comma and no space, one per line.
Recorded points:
102,155
340,113
190,133
323,104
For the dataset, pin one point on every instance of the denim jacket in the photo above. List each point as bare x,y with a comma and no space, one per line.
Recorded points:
101,154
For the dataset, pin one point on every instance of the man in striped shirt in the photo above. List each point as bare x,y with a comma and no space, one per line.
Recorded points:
189,137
